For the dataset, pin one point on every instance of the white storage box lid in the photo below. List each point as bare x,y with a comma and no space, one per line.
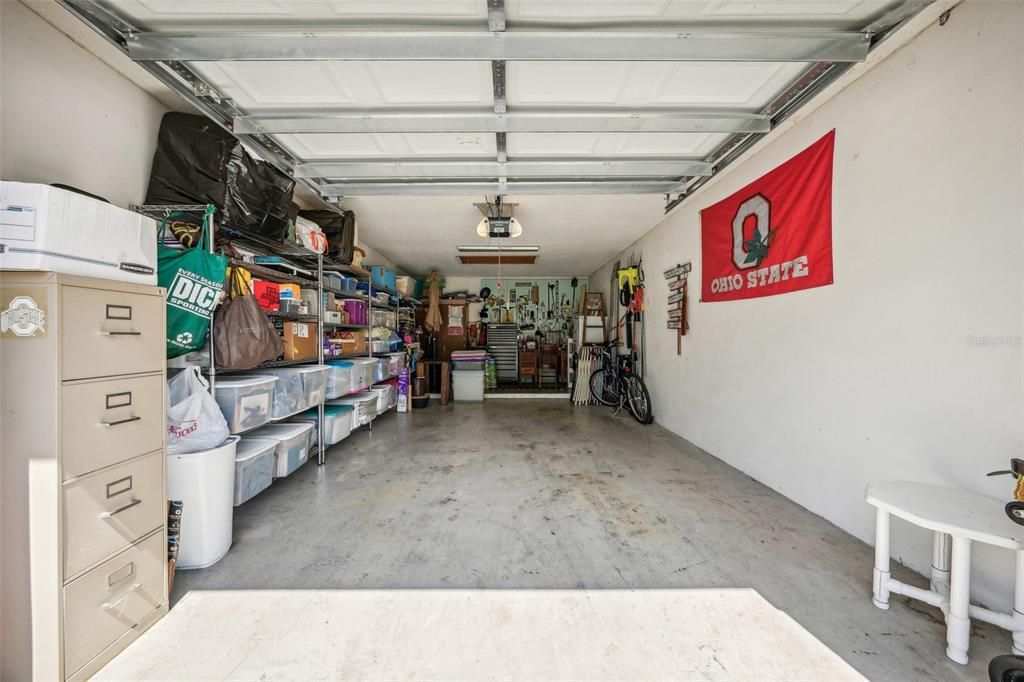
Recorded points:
298,369
281,432
249,448
245,382
355,399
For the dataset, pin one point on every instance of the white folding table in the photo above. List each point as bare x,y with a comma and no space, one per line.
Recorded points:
957,518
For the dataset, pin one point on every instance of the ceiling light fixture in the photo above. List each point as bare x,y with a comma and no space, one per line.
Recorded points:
493,248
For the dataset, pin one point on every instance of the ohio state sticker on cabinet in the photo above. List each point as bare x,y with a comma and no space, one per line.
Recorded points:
774,235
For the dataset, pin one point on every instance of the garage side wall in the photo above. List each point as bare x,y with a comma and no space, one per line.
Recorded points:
910,365
68,117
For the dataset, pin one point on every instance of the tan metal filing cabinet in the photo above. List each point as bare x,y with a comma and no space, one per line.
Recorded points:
84,557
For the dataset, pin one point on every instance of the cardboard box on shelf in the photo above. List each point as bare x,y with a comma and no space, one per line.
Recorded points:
300,340
352,341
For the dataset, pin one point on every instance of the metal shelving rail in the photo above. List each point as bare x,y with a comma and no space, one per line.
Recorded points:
205,214
312,265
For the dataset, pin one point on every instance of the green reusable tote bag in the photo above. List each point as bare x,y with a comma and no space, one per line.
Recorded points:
194,280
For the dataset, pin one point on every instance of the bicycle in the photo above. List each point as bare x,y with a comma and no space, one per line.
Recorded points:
616,385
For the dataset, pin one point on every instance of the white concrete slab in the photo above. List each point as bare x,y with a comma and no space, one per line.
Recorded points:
686,634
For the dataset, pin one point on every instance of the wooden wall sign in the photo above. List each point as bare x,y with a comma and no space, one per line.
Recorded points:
678,289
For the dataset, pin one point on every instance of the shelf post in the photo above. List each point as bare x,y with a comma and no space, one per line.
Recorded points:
321,453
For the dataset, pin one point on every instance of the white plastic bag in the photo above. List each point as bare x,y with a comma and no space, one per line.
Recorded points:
310,235
194,420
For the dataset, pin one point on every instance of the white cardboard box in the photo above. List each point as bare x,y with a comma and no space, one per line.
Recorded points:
47,228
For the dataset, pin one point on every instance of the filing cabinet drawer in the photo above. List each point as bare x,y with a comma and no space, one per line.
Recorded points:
108,333
108,601
106,422
108,510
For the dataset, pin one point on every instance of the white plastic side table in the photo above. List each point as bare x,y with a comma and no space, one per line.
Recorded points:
957,517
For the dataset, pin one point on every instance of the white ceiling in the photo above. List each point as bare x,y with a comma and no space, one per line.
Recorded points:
576,235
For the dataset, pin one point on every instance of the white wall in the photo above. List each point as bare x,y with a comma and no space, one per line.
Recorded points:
67,117
879,376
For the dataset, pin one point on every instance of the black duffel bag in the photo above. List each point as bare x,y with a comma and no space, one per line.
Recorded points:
198,162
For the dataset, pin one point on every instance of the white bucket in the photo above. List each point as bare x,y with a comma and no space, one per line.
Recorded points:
204,481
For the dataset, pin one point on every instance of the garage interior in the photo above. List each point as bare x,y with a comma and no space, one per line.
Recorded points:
521,530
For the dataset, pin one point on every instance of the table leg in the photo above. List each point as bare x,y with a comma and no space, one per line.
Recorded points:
940,563
958,622
881,573
1018,606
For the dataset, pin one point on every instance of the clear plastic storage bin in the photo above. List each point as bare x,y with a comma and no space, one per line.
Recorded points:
312,378
292,449
337,422
339,379
395,364
365,368
364,405
245,401
254,467
289,397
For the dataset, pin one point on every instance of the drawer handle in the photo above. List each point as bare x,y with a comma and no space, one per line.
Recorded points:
121,333
114,603
120,421
109,514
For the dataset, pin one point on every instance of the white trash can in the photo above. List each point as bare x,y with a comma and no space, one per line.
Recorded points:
204,481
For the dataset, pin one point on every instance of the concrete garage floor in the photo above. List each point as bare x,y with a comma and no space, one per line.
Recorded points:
538,494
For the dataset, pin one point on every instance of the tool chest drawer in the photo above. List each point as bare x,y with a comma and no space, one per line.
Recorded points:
110,509
106,422
108,333
110,600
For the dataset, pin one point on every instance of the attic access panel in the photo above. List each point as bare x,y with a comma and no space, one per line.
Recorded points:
361,97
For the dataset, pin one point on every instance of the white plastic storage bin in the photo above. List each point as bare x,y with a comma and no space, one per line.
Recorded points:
254,468
292,449
289,397
364,404
365,368
312,377
381,391
380,370
245,401
468,384
203,481
339,379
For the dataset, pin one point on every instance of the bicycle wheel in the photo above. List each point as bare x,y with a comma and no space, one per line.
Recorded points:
604,388
639,399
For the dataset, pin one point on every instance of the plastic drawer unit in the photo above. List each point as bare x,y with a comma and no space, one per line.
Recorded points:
339,379
364,405
254,467
245,401
292,449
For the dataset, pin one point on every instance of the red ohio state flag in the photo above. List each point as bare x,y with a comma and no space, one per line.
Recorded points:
774,235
